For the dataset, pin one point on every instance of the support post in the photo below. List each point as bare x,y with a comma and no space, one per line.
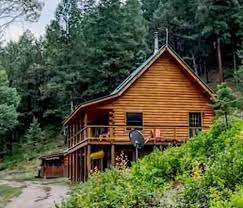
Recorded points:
73,168
88,159
136,153
69,165
112,155
85,164
81,165
85,124
102,164
76,165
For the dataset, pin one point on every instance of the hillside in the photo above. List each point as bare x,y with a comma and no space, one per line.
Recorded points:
207,171
24,163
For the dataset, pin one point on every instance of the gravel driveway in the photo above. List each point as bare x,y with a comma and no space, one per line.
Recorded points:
38,194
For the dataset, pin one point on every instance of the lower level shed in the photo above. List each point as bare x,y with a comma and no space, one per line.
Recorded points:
52,166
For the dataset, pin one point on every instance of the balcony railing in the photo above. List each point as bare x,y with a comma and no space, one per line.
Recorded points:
120,132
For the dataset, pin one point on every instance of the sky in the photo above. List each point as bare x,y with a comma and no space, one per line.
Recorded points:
37,28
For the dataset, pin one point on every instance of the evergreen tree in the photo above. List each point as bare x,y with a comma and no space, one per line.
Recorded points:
115,38
9,101
220,23
226,102
23,61
64,54
180,19
34,139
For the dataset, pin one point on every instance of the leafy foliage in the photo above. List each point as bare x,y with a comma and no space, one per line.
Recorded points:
11,11
9,101
226,101
204,172
34,140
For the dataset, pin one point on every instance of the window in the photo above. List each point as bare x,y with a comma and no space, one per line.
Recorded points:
134,119
195,123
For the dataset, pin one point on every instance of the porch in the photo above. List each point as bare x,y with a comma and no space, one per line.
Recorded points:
98,126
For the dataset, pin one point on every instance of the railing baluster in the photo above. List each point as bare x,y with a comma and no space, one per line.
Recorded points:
167,133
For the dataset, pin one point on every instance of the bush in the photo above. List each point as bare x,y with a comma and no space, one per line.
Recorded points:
207,171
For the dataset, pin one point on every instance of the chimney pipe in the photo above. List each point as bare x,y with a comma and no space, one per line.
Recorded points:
156,42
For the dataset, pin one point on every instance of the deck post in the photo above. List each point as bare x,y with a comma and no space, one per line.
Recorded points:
76,165
89,133
102,164
112,155
69,166
85,124
81,166
73,168
88,160
85,163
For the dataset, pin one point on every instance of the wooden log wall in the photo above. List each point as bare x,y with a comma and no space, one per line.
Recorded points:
165,95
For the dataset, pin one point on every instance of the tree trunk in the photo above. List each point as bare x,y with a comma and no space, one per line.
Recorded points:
205,71
221,72
194,64
226,119
234,61
71,104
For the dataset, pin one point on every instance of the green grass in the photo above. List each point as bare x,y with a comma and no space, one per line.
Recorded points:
7,193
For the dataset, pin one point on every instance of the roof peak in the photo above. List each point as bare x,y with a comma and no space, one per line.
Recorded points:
138,72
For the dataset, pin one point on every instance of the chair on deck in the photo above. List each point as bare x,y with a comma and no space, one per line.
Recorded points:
155,136
104,135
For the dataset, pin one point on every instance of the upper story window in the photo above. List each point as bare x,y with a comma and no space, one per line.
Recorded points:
195,123
134,120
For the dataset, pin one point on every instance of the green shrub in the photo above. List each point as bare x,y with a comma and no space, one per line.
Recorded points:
114,188
207,171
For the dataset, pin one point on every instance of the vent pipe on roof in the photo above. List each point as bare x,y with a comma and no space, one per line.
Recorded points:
156,42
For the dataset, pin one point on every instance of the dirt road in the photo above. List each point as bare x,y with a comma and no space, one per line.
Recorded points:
38,194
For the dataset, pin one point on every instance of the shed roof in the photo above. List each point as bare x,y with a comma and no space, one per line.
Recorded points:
138,72
52,156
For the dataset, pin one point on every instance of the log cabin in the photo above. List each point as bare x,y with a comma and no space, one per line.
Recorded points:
163,98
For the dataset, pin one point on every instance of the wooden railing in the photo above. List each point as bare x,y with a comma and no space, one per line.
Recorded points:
112,132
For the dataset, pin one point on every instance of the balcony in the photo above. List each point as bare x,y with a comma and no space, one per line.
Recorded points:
119,133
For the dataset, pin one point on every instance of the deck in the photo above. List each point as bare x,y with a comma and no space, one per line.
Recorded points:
118,134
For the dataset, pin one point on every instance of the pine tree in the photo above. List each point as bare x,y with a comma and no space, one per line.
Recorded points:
64,52
115,38
226,102
34,139
9,100
220,23
23,61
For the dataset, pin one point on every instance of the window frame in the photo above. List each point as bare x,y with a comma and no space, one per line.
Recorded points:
194,128
126,120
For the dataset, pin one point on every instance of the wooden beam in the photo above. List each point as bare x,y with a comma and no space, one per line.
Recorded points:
112,155
69,164
81,165
88,160
102,164
72,167
76,165
85,124
85,163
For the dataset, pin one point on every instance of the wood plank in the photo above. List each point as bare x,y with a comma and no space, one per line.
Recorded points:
85,163
113,155
81,165
88,159
165,94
